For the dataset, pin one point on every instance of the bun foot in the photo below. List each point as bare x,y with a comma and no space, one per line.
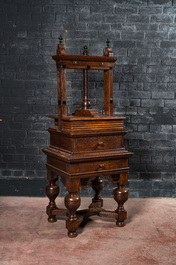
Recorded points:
72,234
52,219
120,224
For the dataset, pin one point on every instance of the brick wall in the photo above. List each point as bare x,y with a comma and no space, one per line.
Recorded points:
143,36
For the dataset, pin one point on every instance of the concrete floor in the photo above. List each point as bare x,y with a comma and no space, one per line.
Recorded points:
26,238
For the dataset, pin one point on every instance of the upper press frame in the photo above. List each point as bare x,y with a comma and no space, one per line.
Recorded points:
85,62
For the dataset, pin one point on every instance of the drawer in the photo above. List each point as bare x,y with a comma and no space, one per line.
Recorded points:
88,167
61,141
103,165
99,143
57,163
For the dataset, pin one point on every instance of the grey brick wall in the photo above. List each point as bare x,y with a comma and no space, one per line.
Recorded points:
143,36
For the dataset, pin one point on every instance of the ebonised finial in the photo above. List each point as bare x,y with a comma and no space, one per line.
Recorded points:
60,39
85,50
108,42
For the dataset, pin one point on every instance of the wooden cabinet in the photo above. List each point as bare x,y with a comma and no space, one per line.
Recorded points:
86,145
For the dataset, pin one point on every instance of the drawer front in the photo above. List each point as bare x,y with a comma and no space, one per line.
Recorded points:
103,165
99,143
61,142
52,161
88,167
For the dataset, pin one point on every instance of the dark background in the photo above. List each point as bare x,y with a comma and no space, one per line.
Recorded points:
143,36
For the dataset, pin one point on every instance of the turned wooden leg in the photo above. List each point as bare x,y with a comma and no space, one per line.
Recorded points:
97,186
72,203
121,196
52,191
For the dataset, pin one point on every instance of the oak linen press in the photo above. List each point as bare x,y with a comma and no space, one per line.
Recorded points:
86,145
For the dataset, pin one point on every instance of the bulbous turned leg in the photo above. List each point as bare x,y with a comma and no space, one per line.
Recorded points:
72,203
121,196
97,186
52,191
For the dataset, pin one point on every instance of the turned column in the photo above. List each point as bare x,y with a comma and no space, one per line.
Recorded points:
72,203
121,196
52,191
97,186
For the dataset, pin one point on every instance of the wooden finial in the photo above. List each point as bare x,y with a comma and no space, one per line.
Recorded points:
60,48
60,39
85,50
108,42
108,50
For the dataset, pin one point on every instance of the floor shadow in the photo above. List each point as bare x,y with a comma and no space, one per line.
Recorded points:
135,207
84,223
